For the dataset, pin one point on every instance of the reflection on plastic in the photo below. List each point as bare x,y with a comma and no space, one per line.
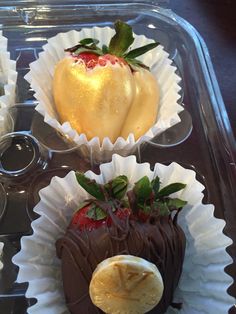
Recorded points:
3,201
19,154
6,122
175,135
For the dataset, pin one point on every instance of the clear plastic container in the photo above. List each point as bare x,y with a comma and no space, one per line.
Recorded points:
202,141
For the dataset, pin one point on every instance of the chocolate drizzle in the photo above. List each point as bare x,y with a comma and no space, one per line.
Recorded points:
159,240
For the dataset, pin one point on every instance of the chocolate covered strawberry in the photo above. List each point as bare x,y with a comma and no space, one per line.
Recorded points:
123,251
106,92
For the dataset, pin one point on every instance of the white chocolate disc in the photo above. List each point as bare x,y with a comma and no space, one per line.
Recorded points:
126,284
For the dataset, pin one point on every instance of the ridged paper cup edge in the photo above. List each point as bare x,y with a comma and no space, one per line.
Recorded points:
203,280
8,74
41,74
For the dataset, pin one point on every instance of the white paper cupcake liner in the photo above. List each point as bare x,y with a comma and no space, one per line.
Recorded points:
203,284
8,75
41,74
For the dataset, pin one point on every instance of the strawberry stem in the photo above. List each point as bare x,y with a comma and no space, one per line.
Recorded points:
122,39
118,46
145,197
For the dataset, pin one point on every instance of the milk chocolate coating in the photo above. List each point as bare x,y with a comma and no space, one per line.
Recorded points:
160,241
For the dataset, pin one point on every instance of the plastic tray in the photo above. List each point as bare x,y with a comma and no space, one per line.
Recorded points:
34,152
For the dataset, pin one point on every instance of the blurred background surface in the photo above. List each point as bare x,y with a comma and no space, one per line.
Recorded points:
215,20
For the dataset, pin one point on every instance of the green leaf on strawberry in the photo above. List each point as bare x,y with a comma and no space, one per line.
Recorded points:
175,203
170,189
163,208
89,41
105,49
133,63
105,195
96,213
144,200
143,189
132,54
91,186
147,197
118,46
146,209
156,185
117,187
122,39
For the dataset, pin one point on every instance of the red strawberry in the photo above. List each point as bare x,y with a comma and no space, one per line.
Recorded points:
91,60
82,221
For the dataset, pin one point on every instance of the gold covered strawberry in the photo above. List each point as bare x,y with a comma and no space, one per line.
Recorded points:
106,92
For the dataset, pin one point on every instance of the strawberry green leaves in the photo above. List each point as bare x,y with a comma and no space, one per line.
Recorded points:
91,186
105,195
117,187
170,189
134,63
119,46
156,185
149,196
96,213
86,45
122,40
105,49
131,56
162,207
143,189
140,51
167,205
146,197
89,41
140,196
175,203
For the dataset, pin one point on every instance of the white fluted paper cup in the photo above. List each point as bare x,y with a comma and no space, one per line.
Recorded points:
41,74
203,285
8,75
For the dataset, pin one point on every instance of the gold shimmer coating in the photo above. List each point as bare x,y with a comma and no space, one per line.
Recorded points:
109,101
